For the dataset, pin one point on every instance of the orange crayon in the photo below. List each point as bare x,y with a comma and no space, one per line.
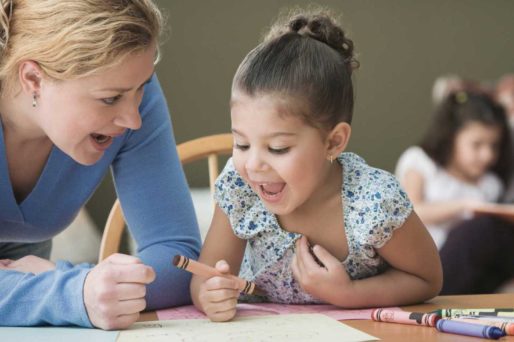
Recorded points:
405,317
207,271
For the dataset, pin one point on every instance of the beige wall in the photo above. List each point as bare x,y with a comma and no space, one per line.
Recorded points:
403,46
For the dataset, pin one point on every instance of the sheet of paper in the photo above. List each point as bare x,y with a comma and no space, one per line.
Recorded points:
295,327
52,334
260,309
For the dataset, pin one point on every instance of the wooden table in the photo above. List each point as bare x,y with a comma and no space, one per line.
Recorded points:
404,332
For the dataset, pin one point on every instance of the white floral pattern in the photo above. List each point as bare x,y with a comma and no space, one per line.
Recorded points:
374,205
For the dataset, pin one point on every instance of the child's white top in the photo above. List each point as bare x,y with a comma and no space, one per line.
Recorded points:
439,186
374,205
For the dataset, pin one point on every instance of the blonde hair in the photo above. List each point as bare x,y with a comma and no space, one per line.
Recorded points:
73,38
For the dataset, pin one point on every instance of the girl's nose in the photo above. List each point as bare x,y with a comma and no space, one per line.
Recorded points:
255,162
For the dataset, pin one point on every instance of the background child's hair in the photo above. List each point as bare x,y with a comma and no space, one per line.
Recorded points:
73,38
305,55
453,113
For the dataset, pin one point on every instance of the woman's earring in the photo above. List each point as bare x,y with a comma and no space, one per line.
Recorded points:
331,159
34,100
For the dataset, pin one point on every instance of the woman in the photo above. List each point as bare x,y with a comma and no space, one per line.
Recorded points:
78,96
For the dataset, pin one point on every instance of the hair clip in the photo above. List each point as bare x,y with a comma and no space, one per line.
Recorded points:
461,97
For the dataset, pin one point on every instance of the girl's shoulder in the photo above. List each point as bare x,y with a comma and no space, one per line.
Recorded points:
415,158
374,202
246,213
361,176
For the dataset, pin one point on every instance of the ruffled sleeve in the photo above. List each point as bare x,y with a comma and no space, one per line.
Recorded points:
235,197
376,203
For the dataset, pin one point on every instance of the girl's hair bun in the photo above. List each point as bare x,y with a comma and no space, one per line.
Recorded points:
317,24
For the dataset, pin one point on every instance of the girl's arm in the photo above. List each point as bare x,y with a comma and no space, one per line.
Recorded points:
217,296
415,272
435,212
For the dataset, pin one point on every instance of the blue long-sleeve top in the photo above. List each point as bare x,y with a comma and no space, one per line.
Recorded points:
155,198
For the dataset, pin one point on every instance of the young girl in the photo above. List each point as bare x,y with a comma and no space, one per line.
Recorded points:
304,221
462,162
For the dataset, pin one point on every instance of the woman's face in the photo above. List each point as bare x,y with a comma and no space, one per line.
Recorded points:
82,116
475,149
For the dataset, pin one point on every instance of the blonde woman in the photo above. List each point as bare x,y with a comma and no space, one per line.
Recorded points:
79,96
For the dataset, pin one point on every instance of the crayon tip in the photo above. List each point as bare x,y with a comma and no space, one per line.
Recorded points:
176,260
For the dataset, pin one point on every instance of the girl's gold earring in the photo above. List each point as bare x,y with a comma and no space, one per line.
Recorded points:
331,159
34,100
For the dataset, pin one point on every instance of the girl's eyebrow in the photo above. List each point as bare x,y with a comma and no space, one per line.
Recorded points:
272,135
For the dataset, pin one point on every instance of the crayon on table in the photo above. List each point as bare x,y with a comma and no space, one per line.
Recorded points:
404,317
500,312
469,329
505,326
203,270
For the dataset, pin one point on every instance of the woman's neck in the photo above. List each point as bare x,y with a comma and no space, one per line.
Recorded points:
18,118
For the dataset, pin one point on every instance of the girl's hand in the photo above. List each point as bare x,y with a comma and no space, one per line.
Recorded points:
29,263
218,295
329,282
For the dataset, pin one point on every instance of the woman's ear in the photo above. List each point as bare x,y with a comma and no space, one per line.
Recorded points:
30,77
337,139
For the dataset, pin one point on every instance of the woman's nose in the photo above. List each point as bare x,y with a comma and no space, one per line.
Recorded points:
129,117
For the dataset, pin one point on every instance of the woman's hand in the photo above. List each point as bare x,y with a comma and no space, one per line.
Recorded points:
329,282
29,263
114,291
217,296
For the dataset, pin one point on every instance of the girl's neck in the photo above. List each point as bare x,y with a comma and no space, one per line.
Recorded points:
329,190
462,176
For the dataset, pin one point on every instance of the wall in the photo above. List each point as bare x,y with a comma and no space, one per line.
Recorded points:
403,45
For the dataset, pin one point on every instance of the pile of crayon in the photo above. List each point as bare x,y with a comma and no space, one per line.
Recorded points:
485,323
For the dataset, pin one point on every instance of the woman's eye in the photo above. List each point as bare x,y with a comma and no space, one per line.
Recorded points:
111,100
279,150
241,147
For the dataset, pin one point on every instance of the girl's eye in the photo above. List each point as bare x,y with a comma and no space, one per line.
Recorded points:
279,150
241,147
111,100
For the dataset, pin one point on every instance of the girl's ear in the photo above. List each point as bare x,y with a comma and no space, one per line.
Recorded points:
30,76
337,139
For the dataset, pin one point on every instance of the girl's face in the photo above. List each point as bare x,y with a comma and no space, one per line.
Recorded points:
475,150
82,116
283,159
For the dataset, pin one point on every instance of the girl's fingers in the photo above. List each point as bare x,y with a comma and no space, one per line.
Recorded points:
223,266
217,283
328,260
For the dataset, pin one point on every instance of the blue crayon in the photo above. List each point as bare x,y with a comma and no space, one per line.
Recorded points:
469,329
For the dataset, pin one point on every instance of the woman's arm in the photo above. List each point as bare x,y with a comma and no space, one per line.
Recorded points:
415,272
217,296
156,201
433,212
47,298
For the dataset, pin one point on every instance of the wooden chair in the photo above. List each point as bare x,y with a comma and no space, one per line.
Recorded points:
209,147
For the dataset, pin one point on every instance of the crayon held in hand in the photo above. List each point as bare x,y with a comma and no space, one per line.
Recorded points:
405,317
203,270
